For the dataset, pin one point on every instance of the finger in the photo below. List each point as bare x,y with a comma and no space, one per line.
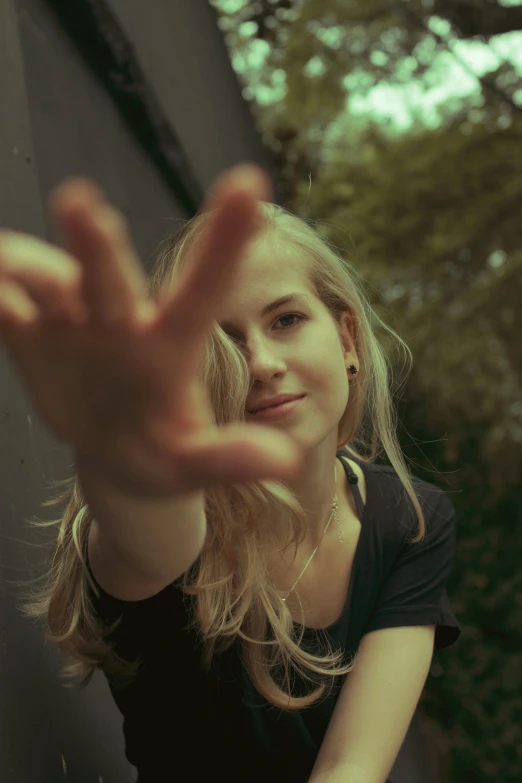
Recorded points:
229,180
238,453
16,307
48,275
97,235
205,281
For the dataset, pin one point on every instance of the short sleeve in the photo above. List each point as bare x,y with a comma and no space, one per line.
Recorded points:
414,591
131,627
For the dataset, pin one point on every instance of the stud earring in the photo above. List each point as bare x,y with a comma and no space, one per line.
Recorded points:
353,369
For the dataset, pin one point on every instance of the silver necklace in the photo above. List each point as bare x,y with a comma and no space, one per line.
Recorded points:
335,506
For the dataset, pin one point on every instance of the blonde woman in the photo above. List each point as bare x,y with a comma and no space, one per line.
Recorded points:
263,597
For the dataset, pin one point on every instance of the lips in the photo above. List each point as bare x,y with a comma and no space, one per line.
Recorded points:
284,398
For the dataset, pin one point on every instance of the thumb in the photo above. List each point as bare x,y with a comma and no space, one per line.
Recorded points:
241,452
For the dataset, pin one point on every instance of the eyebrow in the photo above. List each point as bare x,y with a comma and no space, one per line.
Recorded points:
269,308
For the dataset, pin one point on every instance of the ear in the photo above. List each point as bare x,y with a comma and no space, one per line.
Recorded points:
348,334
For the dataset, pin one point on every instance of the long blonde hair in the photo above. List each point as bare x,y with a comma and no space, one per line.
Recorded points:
234,599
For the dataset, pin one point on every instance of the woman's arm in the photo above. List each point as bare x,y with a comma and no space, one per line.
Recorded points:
375,706
137,546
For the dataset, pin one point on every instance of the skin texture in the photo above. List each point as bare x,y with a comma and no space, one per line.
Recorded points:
288,354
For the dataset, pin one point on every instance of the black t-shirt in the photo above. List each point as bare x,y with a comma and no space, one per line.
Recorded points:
180,722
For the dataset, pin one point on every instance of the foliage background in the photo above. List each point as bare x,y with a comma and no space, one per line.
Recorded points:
397,127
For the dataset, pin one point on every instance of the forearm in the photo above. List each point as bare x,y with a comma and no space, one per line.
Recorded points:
159,539
345,772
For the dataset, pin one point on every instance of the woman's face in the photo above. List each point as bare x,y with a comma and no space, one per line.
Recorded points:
292,348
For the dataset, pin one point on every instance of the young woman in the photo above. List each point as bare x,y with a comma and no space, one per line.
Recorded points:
263,597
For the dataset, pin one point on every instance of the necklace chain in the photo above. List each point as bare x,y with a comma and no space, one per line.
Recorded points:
335,506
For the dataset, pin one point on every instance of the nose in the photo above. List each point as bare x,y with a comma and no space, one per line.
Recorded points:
264,361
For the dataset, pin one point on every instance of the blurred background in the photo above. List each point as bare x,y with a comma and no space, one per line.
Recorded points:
396,128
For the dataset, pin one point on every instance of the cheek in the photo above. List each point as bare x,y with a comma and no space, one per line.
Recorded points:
319,366
323,372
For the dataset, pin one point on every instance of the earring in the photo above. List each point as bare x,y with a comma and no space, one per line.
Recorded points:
353,369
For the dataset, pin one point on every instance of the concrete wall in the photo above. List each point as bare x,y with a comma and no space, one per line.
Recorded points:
62,115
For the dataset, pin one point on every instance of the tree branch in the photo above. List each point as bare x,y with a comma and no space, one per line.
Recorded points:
479,18
488,84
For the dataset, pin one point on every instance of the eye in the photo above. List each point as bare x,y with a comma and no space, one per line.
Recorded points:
239,339
291,315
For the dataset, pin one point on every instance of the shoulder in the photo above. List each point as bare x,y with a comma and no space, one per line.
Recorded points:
123,619
390,500
386,478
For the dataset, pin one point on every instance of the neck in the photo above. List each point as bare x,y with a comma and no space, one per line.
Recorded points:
315,488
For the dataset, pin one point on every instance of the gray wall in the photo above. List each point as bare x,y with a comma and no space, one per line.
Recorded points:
59,119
